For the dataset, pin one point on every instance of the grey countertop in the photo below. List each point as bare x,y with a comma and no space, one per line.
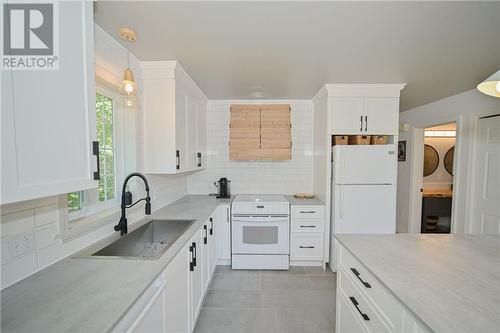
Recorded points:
451,283
91,295
297,201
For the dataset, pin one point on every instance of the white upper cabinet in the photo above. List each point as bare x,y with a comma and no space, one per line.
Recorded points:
48,116
363,109
174,119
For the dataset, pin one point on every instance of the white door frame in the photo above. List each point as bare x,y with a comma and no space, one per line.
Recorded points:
464,171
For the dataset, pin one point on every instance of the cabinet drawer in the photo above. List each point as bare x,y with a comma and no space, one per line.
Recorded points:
306,246
308,212
359,304
308,225
385,304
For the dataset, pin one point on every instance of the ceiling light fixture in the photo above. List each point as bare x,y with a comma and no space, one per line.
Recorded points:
128,88
491,86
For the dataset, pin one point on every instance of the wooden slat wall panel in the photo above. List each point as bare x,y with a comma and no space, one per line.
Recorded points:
260,132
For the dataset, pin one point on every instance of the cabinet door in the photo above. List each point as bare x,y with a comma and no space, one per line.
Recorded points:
180,127
191,152
224,233
382,115
201,134
177,304
48,116
196,276
345,115
212,246
152,320
346,321
205,255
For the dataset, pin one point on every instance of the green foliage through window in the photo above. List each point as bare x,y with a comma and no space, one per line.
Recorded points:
75,201
104,115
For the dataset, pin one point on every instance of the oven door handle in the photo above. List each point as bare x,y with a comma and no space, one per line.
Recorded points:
268,221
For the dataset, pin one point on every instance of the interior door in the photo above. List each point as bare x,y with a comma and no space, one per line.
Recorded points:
345,115
365,209
486,209
351,166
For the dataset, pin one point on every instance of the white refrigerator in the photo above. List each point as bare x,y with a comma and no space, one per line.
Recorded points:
363,190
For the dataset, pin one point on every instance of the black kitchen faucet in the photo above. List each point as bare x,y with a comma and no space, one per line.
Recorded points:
127,202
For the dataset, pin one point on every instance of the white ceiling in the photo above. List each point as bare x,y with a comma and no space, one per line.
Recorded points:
290,49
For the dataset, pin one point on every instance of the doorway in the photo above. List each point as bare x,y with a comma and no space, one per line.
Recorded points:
437,183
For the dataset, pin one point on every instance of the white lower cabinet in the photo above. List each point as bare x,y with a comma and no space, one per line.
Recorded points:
223,226
173,302
364,304
307,236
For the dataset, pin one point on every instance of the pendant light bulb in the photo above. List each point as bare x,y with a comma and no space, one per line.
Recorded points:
128,86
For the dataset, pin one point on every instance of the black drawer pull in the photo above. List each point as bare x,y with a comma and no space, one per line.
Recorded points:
194,252
364,315
355,272
191,265
306,247
308,226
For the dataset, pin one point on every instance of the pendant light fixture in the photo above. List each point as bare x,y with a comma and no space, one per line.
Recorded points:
491,86
128,88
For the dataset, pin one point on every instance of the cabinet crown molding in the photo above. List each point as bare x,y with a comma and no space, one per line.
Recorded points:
363,90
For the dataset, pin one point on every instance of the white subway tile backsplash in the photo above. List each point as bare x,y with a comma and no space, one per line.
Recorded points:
285,177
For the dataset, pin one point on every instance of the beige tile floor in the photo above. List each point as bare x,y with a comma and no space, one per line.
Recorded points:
299,300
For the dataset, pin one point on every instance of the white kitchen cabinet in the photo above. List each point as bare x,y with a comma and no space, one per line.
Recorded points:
364,304
201,130
363,109
178,284
223,227
174,125
209,251
48,116
147,314
196,275
307,237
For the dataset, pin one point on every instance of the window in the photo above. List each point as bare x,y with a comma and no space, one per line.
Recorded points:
104,197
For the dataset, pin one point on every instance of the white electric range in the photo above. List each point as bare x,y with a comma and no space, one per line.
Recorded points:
260,232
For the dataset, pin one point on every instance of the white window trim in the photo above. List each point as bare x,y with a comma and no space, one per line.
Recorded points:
91,213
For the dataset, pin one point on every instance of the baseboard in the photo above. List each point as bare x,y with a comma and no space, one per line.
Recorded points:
318,263
224,262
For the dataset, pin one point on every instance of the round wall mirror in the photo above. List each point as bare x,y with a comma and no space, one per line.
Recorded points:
448,160
431,160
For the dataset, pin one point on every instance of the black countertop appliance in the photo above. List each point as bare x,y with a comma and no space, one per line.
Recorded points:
223,186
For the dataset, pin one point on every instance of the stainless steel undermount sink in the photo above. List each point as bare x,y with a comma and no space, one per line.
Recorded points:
149,241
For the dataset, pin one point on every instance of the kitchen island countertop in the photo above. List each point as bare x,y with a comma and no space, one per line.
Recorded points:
450,283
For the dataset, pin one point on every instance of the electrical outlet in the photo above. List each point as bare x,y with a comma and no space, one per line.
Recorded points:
20,244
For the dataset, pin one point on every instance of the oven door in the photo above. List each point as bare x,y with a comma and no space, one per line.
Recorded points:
260,234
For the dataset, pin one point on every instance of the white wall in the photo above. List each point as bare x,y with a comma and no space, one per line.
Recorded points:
286,177
42,219
464,109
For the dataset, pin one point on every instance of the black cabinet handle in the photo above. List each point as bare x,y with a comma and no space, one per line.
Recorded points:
306,247
199,160
177,159
211,226
366,123
191,265
206,234
356,304
194,252
95,151
355,272
361,123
